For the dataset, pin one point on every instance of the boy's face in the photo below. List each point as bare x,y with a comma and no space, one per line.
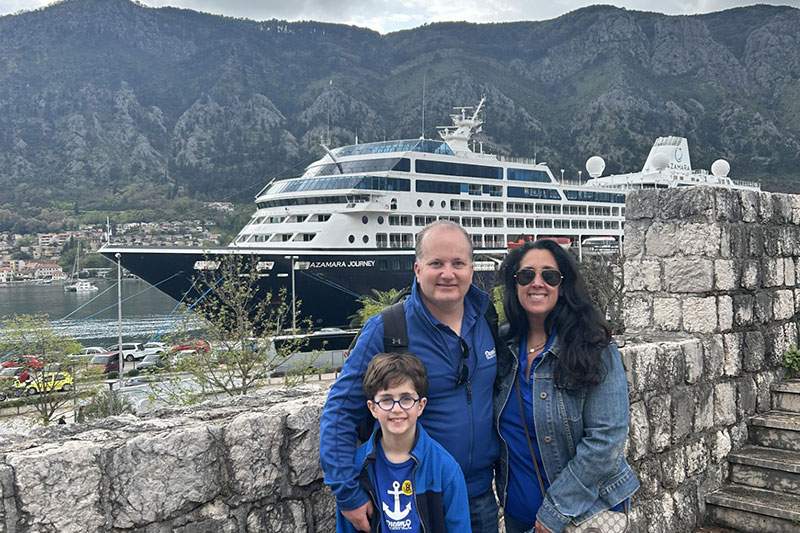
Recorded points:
398,421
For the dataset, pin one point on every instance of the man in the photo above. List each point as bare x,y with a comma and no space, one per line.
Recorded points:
448,331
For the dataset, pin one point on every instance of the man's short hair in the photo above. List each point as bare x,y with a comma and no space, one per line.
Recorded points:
387,370
444,223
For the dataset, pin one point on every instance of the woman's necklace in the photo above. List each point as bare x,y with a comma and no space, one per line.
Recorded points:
536,347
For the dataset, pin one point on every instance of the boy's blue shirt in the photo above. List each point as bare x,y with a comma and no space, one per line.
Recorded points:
461,420
439,489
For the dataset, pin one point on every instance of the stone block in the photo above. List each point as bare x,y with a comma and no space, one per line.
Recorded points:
639,432
773,271
666,239
693,360
743,309
751,205
789,272
667,314
764,381
762,308
686,506
673,469
659,414
781,208
254,441
142,494
738,433
720,446
747,398
696,455
724,403
753,350
687,204
287,516
673,364
688,274
725,242
641,205
725,312
302,424
700,314
739,241
714,355
634,236
704,410
750,274
649,473
790,334
64,480
732,354
645,366
765,207
728,206
638,311
323,504
642,274
755,241
726,275
776,344
683,408
783,304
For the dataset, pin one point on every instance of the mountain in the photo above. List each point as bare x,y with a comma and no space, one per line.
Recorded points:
108,104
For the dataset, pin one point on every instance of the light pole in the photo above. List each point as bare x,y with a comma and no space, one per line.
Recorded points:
119,319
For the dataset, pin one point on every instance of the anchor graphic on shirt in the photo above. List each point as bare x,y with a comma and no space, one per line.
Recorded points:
397,514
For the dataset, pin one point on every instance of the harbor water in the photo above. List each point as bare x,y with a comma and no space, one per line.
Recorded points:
91,317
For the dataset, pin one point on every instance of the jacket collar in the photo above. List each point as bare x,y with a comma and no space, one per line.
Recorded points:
422,441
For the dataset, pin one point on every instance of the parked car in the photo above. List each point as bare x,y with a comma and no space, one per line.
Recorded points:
152,362
88,353
130,350
49,381
108,362
29,361
197,345
153,347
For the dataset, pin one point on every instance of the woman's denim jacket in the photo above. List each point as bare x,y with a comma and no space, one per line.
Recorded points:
581,435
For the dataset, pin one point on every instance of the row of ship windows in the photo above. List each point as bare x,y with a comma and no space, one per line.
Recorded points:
380,183
402,240
403,164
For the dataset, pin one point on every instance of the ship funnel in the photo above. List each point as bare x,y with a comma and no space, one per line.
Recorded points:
668,152
595,166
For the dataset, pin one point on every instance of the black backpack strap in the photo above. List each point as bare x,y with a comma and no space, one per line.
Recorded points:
395,335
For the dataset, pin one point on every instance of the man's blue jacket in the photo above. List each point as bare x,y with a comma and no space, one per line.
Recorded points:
459,417
439,490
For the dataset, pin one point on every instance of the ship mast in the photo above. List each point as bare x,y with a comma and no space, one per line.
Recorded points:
457,135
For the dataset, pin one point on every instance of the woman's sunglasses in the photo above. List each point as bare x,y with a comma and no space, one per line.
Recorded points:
550,276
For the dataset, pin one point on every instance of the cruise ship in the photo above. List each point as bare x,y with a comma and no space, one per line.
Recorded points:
347,225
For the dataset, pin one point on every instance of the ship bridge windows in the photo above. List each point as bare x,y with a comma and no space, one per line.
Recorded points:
428,146
524,174
595,196
319,217
398,164
533,192
281,237
294,218
304,237
460,205
438,187
458,169
378,183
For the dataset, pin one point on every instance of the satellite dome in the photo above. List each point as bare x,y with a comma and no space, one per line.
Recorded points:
720,168
595,166
660,161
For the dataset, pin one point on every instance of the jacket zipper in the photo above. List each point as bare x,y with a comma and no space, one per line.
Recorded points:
414,488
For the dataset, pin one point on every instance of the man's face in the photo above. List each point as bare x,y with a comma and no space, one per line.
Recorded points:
444,269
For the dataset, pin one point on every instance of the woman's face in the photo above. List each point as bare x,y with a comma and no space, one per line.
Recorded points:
537,298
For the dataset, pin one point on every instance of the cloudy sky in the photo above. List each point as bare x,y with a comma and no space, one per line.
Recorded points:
391,15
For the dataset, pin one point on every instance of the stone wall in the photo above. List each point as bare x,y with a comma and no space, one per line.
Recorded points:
711,304
710,308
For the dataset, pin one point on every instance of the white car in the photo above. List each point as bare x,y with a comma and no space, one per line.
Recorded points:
156,348
130,350
88,353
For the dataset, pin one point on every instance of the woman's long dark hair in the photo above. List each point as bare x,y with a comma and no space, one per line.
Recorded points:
582,331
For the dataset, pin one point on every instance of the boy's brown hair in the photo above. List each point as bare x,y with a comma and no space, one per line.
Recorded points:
387,370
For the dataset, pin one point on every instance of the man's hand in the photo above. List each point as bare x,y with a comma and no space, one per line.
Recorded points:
360,516
540,528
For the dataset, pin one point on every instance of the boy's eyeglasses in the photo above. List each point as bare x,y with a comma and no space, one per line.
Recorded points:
550,276
463,367
405,403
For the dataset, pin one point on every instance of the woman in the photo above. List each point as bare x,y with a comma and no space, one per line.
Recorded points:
562,398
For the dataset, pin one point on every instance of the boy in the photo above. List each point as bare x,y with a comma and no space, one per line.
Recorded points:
413,483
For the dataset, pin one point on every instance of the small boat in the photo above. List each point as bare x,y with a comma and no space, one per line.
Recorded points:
80,286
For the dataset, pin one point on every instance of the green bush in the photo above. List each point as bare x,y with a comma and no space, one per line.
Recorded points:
791,360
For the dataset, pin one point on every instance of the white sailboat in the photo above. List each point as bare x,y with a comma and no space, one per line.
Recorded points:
77,284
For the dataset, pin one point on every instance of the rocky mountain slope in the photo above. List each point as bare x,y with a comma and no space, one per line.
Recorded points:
110,103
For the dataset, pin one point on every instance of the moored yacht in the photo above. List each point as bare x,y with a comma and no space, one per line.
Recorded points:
347,225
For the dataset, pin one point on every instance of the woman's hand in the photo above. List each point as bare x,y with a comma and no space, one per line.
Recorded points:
539,528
